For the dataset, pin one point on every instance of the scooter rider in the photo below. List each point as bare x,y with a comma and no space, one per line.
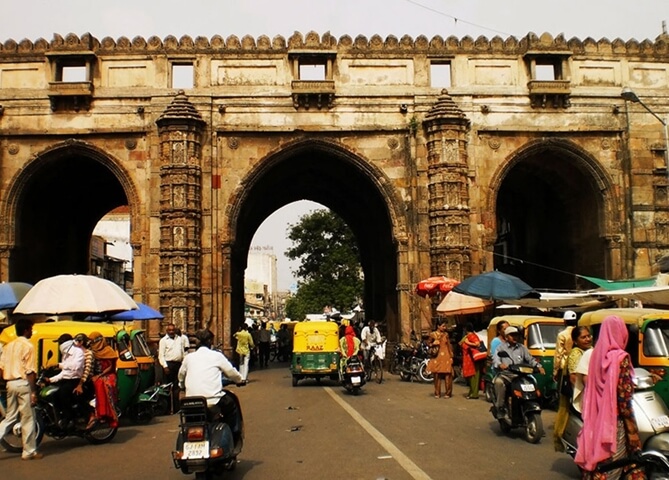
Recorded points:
200,375
516,353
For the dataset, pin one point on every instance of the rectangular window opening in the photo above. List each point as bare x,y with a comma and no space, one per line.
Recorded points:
183,75
545,72
74,73
440,75
312,71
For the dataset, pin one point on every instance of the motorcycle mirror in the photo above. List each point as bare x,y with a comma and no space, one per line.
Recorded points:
49,355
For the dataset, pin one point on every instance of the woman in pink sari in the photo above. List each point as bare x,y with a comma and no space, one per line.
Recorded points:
609,427
104,381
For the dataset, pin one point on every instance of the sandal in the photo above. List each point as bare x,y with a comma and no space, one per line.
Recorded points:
437,396
91,423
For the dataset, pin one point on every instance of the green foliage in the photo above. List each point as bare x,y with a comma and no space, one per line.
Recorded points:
329,271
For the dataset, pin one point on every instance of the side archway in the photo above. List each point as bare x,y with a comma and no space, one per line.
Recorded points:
556,216
53,205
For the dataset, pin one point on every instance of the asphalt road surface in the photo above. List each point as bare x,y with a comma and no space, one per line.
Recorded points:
394,431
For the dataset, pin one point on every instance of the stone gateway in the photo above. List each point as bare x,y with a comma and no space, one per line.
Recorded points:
445,156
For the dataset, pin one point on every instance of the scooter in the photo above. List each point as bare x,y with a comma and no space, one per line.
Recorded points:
522,404
49,418
650,412
208,441
353,375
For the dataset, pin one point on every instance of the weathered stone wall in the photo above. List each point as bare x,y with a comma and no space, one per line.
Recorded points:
373,102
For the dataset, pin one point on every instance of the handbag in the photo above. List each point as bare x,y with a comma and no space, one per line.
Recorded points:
479,353
433,350
566,388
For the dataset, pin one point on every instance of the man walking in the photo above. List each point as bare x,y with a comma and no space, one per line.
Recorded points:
170,356
264,340
17,364
244,346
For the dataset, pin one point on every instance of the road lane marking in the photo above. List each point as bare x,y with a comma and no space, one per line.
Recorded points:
404,461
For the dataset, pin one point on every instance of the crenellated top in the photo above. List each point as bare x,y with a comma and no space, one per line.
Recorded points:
312,41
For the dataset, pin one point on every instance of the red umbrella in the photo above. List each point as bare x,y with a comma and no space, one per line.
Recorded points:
434,285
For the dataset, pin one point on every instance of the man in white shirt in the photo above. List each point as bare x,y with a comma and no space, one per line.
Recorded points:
71,369
369,336
200,376
170,356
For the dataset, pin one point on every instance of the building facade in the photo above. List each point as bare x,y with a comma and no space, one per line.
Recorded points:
445,156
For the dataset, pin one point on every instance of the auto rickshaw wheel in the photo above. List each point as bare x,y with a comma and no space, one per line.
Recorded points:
295,380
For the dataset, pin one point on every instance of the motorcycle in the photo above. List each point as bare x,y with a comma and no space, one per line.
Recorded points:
650,412
353,375
522,404
153,401
49,418
413,365
208,441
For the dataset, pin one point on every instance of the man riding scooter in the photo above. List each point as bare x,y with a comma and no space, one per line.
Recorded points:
516,353
200,375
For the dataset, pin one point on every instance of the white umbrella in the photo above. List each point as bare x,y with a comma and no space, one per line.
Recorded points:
74,294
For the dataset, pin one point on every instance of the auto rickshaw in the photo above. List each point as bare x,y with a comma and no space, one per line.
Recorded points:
539,335
315,351
648,341
127,368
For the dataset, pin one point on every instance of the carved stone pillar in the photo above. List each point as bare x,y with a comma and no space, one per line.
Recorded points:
446,129
180,130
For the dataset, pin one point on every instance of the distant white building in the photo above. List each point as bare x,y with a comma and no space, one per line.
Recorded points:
115,229
261,269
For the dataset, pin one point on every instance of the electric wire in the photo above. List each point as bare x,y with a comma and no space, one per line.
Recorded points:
456,19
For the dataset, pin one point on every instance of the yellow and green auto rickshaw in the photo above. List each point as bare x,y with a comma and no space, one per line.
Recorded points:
127,368
315,351
539,335
648,341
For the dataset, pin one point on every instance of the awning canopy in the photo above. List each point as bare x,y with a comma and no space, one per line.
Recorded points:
620,284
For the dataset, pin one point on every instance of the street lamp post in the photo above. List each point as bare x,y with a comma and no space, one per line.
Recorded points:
629,95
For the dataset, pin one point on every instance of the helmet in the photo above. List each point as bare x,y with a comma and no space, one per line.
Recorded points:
569,315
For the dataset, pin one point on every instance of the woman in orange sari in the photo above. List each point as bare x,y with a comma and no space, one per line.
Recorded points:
104,381
442,365
471,370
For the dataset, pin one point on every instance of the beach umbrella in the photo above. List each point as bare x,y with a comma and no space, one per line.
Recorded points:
498,286
435,285
11,293
69,294
455,303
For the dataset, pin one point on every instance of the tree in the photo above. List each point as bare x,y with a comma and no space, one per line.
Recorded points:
329,272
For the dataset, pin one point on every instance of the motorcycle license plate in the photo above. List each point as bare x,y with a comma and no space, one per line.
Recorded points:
527,387
355,380
196,450
660,422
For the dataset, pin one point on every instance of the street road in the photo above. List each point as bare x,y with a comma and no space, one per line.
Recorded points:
394,431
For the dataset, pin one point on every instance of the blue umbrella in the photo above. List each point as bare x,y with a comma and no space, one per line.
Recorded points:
144,312
495,286
11,293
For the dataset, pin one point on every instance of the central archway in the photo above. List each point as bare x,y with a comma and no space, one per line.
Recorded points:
356,190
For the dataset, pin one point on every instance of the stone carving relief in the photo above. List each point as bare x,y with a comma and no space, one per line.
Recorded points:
179,237
178,276
179,196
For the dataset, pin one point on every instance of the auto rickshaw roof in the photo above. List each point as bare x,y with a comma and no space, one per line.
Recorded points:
316,325
524,320
56,329
633,316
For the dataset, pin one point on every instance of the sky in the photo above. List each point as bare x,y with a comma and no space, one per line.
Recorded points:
611,19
